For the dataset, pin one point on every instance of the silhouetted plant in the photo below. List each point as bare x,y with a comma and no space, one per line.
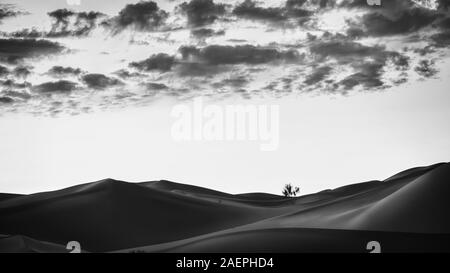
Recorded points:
290,190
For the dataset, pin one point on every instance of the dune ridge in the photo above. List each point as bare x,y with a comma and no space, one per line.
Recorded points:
164,216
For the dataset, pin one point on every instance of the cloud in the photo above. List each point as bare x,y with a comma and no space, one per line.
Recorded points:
405,22
125,74
61,17
249,9
368,62
8,11
368,76
344,49
426,69
22,71
156,86
11,84
16,95
67,23
295,3
100,81
386,5
6,100
32,33
347,51
318,75
61,71
242,61
203,33
241,54
444,23
161,62
143,16
14,50
215,59
4,71
444,4
56,87
400,17
292,9
86,21
196,69
441,39
235,82
202,12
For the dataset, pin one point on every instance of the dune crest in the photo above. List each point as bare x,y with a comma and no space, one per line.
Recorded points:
159,216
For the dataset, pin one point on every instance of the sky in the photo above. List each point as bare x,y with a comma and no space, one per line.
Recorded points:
86,91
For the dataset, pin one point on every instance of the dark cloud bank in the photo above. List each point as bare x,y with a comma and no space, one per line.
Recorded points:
143,16
15,50
322,56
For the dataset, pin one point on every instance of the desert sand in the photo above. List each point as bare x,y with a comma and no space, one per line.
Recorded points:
408,212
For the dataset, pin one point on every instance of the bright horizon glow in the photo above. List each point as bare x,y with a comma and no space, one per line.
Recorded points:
323,144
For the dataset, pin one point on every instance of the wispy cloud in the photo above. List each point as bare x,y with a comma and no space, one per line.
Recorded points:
218,48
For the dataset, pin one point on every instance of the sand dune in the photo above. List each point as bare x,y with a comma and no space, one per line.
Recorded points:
23,244
5,196
411,207
294,240
111,214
